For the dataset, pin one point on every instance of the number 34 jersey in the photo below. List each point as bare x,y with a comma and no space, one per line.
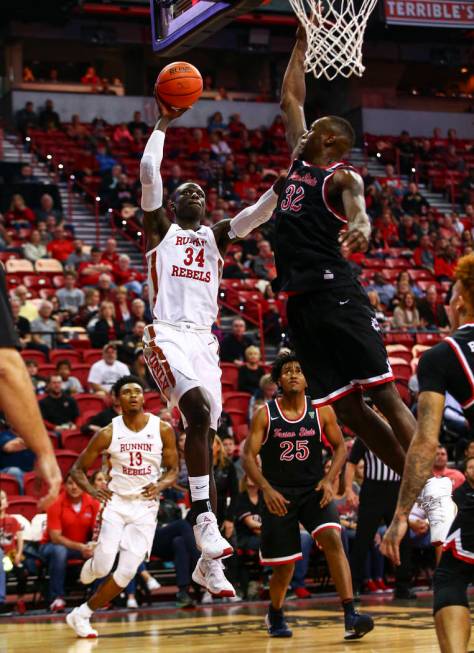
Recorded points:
291,451
134,456
184,273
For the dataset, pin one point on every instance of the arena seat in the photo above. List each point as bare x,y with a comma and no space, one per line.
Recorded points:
399,338
85,416
404,392
66,459
81,372
19,266
91,356
36,281
230,376
238,417
402,371
429,338
46,369
9,484
72,355
241,432
236,401
74,440
33,354
34,486
48,266
90,403
400,351
23,505
153,402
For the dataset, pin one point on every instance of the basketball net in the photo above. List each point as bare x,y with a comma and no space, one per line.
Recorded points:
335,35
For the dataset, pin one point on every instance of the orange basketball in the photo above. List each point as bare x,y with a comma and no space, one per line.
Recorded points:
179,85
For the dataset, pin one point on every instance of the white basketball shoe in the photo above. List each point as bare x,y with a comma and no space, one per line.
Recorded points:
81,625
436,500
210,574
208,538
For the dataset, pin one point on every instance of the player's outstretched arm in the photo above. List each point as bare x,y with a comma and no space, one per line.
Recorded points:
418,468
98,443
334,434
293,92
155,220
350,187
276,502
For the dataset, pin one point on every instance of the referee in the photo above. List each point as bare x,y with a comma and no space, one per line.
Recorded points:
377,501
18,401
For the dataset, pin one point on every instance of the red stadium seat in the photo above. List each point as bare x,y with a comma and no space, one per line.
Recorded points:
71,355
34,355
400,351
74,440
238,417
9,484
230,375
91,356
404,392
241,432
236,401
90,403
428,338
421,275
402,371
66,460
153,402
407,339
84,417
46,369
34,486
81,372
22,505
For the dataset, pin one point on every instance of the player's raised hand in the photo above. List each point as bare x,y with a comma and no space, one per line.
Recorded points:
325,486
390,546
170,113
275,502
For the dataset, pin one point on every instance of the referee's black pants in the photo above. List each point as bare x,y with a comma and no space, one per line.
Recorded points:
377,503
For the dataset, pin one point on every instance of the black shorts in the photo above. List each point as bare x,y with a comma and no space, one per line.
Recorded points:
280,541
337,339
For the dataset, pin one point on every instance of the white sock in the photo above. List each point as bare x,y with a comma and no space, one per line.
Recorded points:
85,611
199,486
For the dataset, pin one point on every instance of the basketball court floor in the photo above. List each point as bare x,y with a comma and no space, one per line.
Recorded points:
405,627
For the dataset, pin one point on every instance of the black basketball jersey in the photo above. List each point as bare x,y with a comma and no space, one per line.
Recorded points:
307,249
291,452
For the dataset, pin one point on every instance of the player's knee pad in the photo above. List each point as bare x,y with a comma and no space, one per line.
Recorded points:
103,561
127,568
449,589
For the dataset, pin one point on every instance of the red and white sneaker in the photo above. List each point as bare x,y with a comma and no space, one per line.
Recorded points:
371,586
210,574
302,593
81,625
58,605
381,585
208,538
436,500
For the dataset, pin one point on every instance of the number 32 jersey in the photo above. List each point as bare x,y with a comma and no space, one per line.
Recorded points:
184,272
291,451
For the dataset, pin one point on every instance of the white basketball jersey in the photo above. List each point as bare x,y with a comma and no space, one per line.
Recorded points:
184,272
135,457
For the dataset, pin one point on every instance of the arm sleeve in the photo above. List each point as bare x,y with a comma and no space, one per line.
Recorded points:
150,176
433,368
357,452
253,216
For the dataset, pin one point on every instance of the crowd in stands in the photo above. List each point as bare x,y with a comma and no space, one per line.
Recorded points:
80,312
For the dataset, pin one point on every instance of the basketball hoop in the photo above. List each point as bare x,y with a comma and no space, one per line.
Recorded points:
335,34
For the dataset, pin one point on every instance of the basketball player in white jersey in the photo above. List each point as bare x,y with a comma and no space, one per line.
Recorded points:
185,261
138,445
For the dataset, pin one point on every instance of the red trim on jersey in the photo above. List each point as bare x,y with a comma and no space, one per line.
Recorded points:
284,560
371,384
325,527
464,364
287,419
268,424
319,424
453,544
154,278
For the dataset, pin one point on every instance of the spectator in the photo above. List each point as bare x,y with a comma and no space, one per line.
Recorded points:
76,130
197,143
216,121
264,262
405,315
15,458
44,328
453,160
11,545
413,202
248,520
137,123
39,382
26,175
102,418
467,188
90,271
105,287
441,469
409,232
235,343
90,78
220,149
384,289
406,150
391,180
104,159
228,445
125,276
251,371
70,384
34,249
58,408
60,247
19,214
47,208
105,372
122,304
70,298
423,255
68,535
28,309
123,195
90,309
387,226
48,118
445,262
106,329
122,135
432,312
377,307
110,181
22,325
78,255
137,314
462,492
110,255
26,119
175,179
133,341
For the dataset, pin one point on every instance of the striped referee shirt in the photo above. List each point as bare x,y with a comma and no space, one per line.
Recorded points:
375,469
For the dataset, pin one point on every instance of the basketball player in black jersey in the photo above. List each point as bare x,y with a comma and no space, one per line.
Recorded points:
287,434
333,327
18,401
447,367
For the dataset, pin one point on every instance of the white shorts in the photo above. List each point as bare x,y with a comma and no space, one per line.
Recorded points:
128,524
181,357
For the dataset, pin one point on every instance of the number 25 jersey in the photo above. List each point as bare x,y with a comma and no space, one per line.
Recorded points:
291,451
307,249
184,272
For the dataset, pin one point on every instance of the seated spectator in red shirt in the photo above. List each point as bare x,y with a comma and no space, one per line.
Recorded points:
388,228
105,287
446,227
121,135
199,141
444,264
90,271
438,143
391,180
277,128
423,254
110,254
19,214
107,328
60,247
11,544
242,185
126,276
68,535
441,469
91,78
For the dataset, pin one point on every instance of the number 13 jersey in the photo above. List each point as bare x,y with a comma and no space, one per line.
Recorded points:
184,272
291,451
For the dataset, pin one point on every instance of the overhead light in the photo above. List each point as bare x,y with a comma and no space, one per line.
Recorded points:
49,157
464,70
97,199
60,166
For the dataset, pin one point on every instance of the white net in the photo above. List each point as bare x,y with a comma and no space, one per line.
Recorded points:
335,34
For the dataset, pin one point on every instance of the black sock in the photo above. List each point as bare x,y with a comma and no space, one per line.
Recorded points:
348,607
275,610
198,507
